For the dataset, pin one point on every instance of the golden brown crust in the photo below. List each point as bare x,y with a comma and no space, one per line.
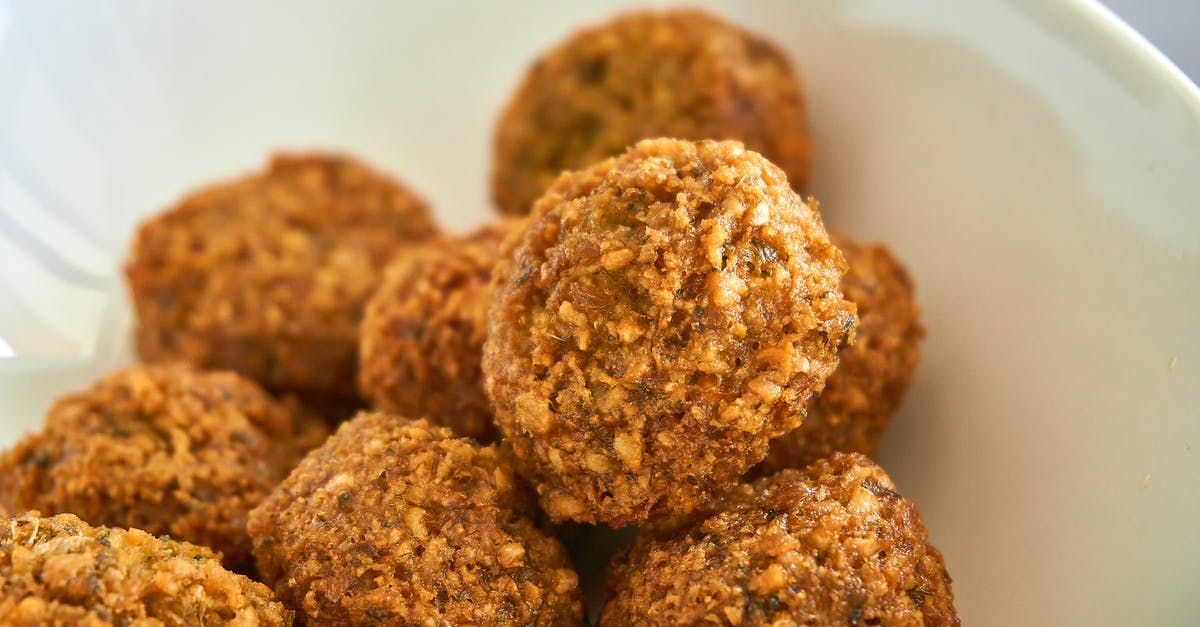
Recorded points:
394,520
831,545
267,275
872,375
422,333
62,571
664,315
167,449
676,73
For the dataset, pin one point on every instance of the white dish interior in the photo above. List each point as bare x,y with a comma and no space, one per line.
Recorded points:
1033,163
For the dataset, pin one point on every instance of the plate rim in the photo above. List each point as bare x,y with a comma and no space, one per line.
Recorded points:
1118,32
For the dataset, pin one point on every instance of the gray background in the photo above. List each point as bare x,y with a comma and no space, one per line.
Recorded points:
1173,26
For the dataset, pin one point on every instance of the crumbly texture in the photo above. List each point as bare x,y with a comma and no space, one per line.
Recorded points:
676,73
62,571
834,544
664,315
872,375
167,449
267,275
398,522
422,333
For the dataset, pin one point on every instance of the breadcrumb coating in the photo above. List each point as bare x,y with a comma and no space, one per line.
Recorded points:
834,544
62,571
422,333
676,73
664,315
268,274
397,521
167,449
872,375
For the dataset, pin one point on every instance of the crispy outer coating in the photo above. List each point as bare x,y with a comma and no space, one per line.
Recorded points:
677,73
267,275
872,375
663,316
422,333
167,449
396,521
834,544
62,571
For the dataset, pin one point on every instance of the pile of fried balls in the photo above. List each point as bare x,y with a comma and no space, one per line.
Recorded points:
344,415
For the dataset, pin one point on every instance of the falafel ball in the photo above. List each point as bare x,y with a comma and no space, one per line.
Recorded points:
167,449
62,571
676,73
664,315
397,521
834,544
872,375
268,274
422,333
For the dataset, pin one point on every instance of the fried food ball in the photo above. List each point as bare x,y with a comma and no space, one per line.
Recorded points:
422,333
664,315
676,73
398,521
167,449
268,274
831,545
872,375
63,571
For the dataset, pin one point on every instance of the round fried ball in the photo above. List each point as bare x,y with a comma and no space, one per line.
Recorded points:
831,545
664,315
398,521
677,73
167,449
268,274
422,333
62,571
872,375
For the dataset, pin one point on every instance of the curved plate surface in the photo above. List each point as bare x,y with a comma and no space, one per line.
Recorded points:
1034,164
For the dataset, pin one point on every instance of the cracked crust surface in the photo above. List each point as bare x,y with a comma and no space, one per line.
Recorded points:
677,73
267,274
62,571
167,449
423,331
664,315
872,376
394,520
834,544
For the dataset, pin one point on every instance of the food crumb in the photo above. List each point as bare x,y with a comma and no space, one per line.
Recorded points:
1144,482
1172,363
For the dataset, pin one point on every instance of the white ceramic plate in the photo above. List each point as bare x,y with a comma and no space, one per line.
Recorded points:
1036,164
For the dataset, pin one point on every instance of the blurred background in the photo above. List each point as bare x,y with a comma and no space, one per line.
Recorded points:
1170,25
